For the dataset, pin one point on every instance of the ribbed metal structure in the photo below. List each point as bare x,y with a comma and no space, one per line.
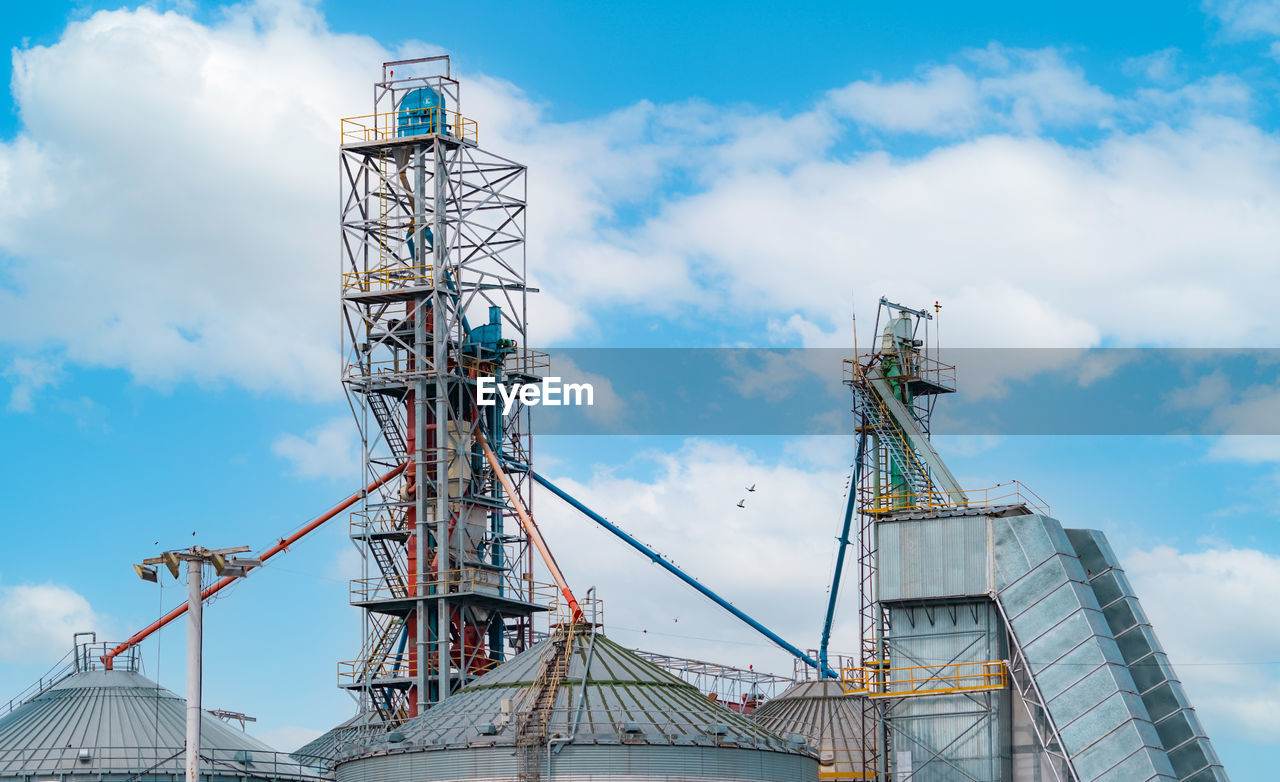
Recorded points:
335,742
615,716
120,725
829,720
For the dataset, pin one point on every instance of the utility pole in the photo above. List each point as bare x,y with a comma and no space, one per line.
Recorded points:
225,564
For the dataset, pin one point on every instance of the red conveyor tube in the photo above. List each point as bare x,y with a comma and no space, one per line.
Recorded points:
218,585
530,528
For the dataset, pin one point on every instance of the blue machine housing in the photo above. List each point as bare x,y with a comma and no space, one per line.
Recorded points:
421,112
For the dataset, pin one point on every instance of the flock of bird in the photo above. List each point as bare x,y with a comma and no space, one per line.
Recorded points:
742,503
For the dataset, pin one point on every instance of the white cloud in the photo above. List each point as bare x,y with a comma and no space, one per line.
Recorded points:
1247,417
39,620
28,376
771,558
606,405
1246,18
943,100
1228,595
1161,66
331,450
1154,235
1018,89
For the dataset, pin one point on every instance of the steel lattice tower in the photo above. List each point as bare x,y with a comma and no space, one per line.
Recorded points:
433,295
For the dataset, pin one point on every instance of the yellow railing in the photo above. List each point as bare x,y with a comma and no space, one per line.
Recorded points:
391,667
910,367
876,682
523,361
407,123
387,277
1009,493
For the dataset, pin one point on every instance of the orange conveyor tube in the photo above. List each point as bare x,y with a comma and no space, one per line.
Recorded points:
221,583
530,528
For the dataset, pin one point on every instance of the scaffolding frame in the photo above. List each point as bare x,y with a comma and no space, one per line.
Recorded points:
432,244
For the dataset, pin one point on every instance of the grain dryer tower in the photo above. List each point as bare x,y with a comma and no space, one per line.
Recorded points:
433,294
997,644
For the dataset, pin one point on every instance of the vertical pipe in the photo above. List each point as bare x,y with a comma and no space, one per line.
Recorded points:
420,444
195,615
849,506
440,370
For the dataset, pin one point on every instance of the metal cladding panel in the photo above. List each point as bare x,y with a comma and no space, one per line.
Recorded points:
828,719
127,724
587,763
1177,729
932,558
947,735
1054,616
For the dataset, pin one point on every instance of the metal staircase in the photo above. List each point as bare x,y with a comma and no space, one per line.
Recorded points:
531,726
389,566
387,423
891,437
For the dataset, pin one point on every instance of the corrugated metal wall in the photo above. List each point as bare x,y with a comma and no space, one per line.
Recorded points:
942,738
588,763
931,558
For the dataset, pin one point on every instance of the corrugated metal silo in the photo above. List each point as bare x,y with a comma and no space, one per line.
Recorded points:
831,721
578,706
86,722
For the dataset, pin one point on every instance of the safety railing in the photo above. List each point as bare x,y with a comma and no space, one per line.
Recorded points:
387,278
525,361
393,666
877,682
516,361
408,123
472,580
83,657
902,366
1008,493
160,761
384,521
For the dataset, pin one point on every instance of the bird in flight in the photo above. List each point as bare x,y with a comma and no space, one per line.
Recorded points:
742,503
752,487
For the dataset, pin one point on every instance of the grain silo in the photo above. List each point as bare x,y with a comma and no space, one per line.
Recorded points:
578,706
831,721
88,722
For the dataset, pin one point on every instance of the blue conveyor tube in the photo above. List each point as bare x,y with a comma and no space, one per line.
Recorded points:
657,559
849,505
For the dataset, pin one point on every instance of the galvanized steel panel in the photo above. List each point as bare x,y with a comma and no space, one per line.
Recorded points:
1055,617
1176,728
933,558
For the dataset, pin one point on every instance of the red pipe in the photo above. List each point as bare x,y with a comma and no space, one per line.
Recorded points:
218,585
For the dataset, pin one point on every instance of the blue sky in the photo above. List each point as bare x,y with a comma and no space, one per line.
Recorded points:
726,175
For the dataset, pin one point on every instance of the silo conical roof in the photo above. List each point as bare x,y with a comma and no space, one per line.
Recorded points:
829,719
609,713
627,698
117,722
337,741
